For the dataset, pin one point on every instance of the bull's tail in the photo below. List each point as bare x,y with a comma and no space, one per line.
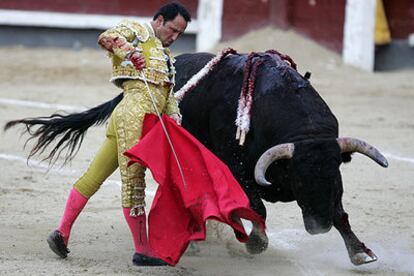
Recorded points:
68,130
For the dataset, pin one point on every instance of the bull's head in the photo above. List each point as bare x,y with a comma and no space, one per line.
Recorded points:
317,184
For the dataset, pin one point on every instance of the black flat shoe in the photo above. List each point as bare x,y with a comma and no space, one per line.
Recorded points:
56,243
142,260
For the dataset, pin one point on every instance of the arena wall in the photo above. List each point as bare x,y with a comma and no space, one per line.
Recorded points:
400,15
118,7
320,20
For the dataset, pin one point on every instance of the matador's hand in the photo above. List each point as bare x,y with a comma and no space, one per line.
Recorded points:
137,60
176,117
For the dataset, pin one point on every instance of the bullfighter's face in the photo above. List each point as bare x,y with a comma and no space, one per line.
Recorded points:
169,31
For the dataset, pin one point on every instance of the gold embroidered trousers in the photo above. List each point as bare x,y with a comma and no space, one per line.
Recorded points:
124,131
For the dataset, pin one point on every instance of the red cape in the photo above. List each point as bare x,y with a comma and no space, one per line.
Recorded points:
179,211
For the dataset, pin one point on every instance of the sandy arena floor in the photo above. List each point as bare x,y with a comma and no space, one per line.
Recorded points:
378,108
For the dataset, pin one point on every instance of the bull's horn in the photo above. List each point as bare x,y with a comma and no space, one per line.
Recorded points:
348,144
282,151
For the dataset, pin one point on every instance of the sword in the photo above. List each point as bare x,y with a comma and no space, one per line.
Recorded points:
164,128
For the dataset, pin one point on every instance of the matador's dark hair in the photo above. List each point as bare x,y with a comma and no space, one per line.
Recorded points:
171,10
68,129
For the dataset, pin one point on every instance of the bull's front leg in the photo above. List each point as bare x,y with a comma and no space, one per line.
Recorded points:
258,240
358,253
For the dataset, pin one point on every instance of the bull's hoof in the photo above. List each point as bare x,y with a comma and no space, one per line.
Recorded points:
364,257
257,243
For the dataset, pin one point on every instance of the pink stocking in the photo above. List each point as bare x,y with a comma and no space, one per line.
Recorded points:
74,206
138,227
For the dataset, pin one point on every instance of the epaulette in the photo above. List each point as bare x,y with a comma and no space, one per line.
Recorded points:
138,29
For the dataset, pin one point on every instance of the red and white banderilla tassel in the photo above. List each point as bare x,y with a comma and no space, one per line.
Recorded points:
246,98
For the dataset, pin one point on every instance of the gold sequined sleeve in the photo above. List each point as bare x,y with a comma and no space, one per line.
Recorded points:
172,106
118,40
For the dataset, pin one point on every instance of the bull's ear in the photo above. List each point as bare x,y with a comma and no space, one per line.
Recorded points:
346,157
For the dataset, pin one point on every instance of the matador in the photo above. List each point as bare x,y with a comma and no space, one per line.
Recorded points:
139,54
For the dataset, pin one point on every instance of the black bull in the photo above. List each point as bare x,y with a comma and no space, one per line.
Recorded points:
292,143
286,111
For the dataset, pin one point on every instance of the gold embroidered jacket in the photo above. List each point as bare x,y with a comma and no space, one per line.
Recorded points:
159,62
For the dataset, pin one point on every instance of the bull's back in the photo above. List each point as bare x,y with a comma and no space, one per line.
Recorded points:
285,104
